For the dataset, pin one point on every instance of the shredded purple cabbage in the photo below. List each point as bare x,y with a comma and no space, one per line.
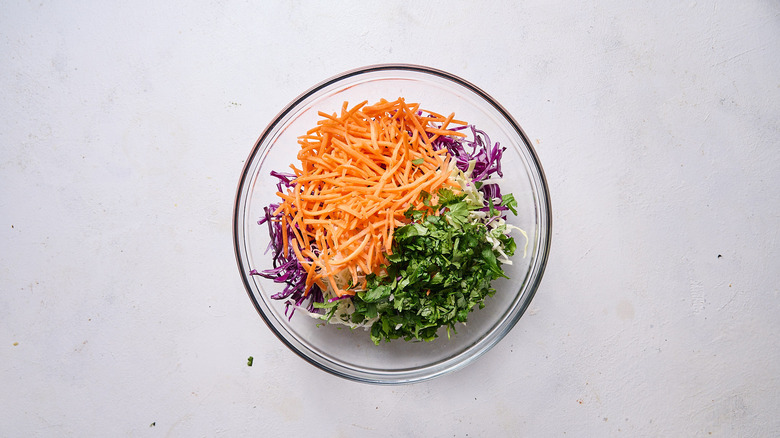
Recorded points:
486,157
286,267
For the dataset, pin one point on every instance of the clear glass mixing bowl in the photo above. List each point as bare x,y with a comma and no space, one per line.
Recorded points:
351,353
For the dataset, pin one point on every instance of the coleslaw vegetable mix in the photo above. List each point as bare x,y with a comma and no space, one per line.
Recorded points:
392,220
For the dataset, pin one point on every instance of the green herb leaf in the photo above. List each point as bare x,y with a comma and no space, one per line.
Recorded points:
508,201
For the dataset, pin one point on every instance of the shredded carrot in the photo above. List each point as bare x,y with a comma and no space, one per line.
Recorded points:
359,171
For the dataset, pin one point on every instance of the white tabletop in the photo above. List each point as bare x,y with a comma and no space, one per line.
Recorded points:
124,130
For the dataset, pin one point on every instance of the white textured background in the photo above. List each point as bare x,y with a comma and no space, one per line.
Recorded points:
123,130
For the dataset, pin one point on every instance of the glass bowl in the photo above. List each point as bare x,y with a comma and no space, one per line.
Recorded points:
350,353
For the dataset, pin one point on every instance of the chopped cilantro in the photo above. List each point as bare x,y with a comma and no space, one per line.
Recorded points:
249,361
440,269
509,201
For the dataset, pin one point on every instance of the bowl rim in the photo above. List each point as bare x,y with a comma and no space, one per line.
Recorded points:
544,195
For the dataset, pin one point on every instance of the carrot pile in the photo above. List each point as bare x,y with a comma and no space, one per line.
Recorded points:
360,171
